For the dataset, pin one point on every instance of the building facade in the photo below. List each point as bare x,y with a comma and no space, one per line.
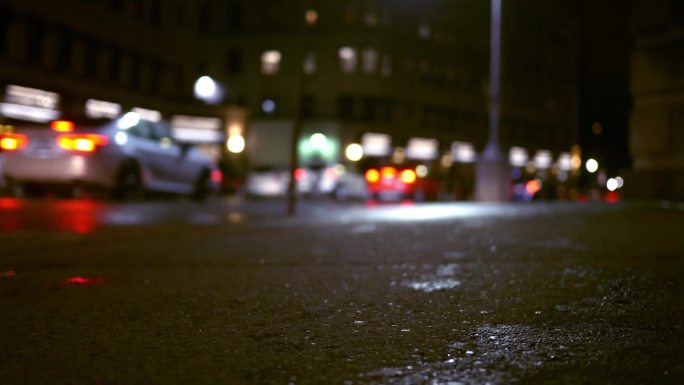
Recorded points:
415,70
130,53
657,86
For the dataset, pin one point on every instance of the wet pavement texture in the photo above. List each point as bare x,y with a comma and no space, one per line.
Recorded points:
232,292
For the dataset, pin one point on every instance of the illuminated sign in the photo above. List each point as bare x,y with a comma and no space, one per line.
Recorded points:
149,115
195,122
376,144
565,161
543,159
96,109
30,104
422,149
517,157
463,152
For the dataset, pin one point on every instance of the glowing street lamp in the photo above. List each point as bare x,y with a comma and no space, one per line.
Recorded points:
208,90
592,165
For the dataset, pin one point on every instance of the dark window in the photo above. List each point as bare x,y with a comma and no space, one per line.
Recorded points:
346,107
309,106
137,9
142,130
136,66
36,35
64,51
91,53
116,5
155,13
234,62
155,81
204,19
4,22
369,111
234,17
114,65
180,14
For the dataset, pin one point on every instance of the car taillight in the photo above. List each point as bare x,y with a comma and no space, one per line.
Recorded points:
388,172
82,142
62,126
13,142
408,176
216,176
372,176
300,174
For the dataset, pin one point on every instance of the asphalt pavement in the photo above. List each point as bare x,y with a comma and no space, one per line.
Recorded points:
234,292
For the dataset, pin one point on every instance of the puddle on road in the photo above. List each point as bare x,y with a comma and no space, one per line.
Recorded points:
444,278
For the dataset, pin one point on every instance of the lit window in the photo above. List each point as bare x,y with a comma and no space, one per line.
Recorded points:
372,19
369,61
310,65
311,17
270,62
386,70
348,60
424,31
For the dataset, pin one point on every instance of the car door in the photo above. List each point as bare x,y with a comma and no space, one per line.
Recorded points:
149,151
169,154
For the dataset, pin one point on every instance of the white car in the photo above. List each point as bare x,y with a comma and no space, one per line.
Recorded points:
334,181
127,156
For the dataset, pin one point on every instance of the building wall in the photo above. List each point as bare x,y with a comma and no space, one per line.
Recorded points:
657,86
135,52
435,84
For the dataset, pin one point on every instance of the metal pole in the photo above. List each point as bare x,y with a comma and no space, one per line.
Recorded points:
297,118
492,149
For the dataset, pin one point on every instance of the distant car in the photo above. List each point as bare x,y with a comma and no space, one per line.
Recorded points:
126,156
390,183
329,181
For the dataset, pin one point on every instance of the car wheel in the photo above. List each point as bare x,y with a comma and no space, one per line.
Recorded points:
129,184
202,186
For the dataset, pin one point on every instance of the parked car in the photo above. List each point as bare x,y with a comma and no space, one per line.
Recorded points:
329,181
126,156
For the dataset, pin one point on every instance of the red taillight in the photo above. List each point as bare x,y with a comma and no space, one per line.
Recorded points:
372,176
388,172
408,176
82,142
533,187
300,174
62,126
216,176
13,142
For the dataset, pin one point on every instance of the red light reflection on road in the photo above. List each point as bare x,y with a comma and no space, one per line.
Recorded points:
10,204
7,274
84,281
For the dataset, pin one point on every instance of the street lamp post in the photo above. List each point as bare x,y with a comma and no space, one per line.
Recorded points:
492,168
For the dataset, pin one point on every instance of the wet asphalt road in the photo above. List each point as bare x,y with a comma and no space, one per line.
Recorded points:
228,292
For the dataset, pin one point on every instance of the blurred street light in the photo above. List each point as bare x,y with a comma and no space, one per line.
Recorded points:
235,143
208,90
592,165
354,152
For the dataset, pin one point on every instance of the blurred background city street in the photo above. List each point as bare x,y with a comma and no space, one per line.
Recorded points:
369,192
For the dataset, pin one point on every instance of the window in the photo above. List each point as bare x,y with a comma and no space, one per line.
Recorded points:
386,69
348,60
369,61
233,61
136,66
91,52
234,17
310,64
4,25
308,106
36,34
64,51
114,65
270,62
204,19
346,107
155,13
